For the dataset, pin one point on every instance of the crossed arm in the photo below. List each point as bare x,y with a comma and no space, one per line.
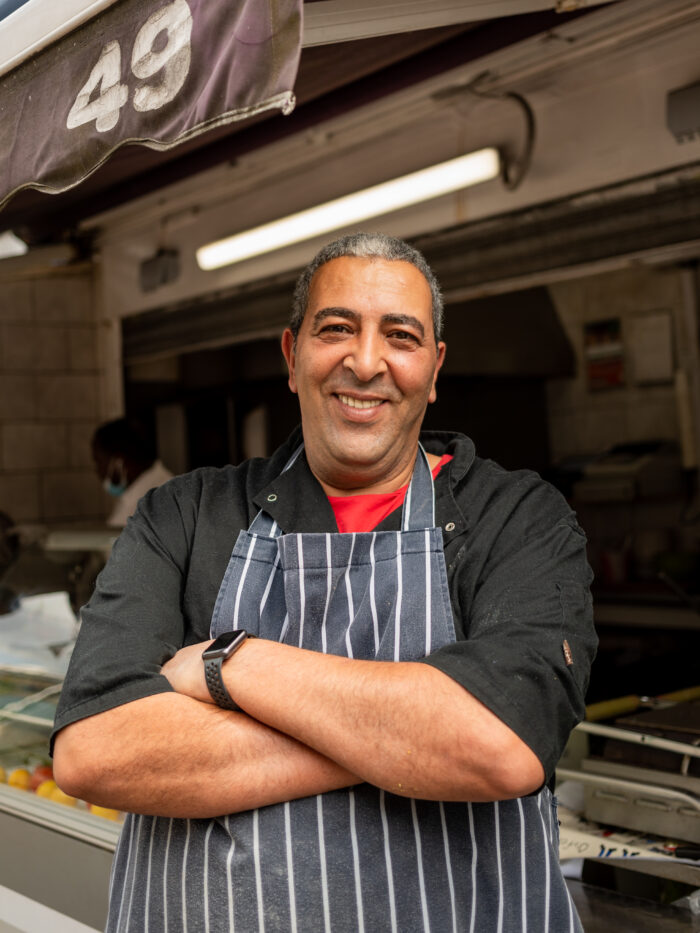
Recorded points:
312,723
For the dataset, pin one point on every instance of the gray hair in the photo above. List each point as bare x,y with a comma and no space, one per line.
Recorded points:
365,246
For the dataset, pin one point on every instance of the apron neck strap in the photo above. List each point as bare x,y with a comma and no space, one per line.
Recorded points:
419,504
418,507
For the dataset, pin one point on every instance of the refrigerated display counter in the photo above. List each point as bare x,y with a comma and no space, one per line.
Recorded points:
56,853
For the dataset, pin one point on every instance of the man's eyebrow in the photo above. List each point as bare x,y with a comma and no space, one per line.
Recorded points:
406,319
334,312
349,315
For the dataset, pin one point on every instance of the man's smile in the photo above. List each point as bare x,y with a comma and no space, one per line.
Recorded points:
359,402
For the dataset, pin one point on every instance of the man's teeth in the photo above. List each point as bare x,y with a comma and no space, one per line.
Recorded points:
359,402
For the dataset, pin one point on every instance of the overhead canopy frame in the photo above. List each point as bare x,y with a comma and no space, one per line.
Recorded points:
37,24
394,31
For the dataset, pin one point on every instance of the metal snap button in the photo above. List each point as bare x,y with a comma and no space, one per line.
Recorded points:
450,526
272,497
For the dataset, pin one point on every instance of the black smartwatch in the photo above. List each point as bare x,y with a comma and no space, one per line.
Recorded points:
214,656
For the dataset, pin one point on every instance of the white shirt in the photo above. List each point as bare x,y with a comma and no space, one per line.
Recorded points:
155,475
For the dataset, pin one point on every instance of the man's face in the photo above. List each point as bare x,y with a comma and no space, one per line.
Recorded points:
364,366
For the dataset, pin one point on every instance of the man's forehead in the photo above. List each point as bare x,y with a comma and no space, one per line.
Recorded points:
350,271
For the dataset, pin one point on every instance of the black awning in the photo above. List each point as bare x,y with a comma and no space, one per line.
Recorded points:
150,72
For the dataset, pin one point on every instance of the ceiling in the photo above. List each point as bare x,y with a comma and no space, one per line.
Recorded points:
332,79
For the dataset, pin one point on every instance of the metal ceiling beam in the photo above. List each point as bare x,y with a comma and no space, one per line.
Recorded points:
657,221
653,220
329,21
39,23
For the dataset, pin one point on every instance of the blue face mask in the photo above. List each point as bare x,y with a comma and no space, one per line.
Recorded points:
113,489
114,483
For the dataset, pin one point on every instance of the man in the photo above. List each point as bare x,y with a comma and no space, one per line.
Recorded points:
381,749
126,461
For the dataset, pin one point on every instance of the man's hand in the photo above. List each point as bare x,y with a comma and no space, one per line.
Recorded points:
185,672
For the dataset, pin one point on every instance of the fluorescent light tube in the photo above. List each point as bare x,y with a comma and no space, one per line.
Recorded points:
423,185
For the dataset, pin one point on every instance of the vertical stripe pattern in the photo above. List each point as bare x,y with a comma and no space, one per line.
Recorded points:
354,860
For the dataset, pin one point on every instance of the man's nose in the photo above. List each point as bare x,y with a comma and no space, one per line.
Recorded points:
365,357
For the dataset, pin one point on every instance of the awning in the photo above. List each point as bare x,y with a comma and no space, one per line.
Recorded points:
144,72
354,51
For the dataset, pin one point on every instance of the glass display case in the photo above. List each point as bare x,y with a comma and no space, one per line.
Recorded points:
56,851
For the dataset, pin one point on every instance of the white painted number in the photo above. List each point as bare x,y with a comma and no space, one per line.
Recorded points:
173,60
104,109
162,46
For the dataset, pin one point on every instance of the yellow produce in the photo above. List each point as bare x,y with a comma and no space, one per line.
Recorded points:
58,795
105,812
19,778
3,776
46,788
40,774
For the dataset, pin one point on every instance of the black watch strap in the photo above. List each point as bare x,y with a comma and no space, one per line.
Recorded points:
216,686
214,655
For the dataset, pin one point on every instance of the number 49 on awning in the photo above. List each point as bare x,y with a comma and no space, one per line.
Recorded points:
171,63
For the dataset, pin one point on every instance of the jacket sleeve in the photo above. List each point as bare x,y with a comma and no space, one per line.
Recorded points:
134,620
521,586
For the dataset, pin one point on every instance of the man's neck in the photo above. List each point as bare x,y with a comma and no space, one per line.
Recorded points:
359,486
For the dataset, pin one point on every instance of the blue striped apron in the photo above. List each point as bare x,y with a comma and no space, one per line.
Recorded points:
359,860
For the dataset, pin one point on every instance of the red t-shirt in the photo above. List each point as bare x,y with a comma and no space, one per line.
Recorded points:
365,512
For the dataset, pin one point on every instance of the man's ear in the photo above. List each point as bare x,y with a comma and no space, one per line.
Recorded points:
288,349
441,348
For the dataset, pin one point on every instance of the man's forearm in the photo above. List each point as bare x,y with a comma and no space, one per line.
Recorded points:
171,755
405,727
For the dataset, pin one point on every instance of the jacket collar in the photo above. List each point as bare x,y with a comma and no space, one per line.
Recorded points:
296,501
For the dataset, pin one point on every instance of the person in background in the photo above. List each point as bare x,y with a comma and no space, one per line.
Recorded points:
127,463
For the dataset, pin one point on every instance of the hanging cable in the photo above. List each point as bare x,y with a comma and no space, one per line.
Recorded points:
513,169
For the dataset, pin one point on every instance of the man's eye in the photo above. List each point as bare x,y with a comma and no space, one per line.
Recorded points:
334,329
403,336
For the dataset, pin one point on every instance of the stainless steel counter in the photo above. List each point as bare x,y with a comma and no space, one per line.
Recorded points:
602,911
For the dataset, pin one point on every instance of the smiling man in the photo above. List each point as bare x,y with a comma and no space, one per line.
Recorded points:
364,362
331,687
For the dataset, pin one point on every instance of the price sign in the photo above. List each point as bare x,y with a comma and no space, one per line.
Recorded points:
154,72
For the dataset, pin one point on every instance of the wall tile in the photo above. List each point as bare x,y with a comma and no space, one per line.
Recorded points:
33,347
17,396
34,446
80,443
73,398
16,301
82,348
19,496
64,300
74,494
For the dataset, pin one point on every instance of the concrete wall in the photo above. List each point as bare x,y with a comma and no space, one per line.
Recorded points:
625,539
49,406
583,421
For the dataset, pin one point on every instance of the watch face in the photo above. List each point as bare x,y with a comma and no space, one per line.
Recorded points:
225,644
